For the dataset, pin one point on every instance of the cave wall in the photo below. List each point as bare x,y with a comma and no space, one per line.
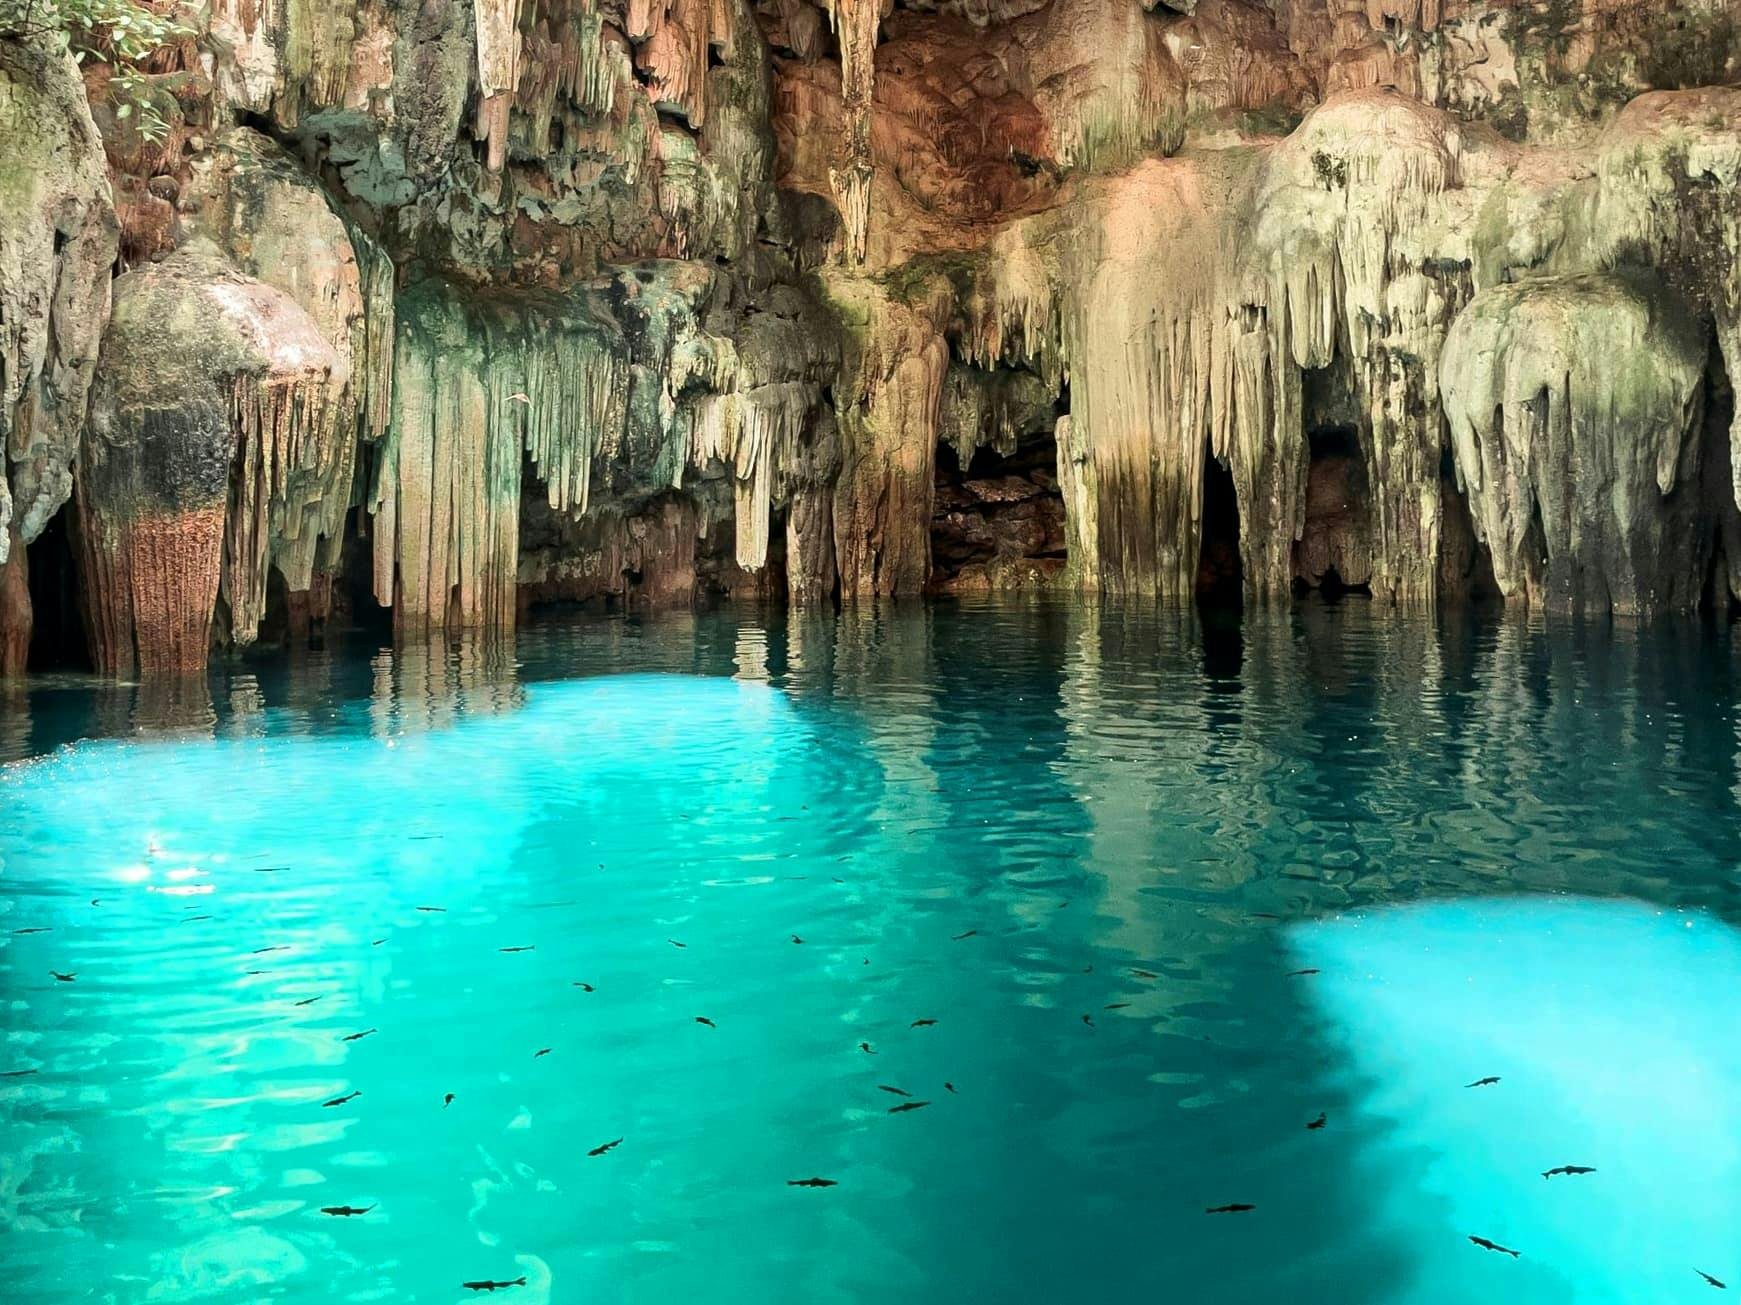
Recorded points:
653,301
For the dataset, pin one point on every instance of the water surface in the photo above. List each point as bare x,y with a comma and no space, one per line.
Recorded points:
1094,845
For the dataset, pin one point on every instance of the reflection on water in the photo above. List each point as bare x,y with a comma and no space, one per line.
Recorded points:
1090,843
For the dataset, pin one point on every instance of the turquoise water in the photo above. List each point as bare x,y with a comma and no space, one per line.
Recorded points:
1095,846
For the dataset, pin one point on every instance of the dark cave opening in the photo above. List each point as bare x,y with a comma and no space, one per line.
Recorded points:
1220,573
57,637
1465,572
1333,553
997,523
1723,568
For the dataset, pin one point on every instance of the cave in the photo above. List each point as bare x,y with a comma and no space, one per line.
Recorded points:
1465,570
1332,556
57,637
998,522
1220,572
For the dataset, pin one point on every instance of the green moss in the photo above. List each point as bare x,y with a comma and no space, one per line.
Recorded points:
1691,50
913,280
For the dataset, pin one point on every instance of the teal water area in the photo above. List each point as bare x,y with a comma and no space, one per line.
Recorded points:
1125,901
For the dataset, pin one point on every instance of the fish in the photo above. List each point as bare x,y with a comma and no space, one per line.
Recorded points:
811,1182
1300,974
339,1101
542,1051
1088,969
1145,974
1116,1005
268,869
866,1048
518,949
1088,1019
345,1211
958,937
193,919
675,943
1486,1245
584,987
447,1101
18,1073
485,1284
64,978
40,928
1264,915
355,1037
1708,1278
433,910
1320,1121
261,951
900,1092
1482,1082
377,942
702,1019
306,1001
1568,1169
608,1146
922,1024
908,1105
796,939
949,1087
1238,1207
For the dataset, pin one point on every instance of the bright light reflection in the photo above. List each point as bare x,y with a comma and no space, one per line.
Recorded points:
1615,1031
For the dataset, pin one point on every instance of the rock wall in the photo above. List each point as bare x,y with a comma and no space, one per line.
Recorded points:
460,307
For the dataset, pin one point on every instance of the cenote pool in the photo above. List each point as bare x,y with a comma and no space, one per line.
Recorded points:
1037,930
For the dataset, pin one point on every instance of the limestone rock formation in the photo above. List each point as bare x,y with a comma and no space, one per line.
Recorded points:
57,241
470,308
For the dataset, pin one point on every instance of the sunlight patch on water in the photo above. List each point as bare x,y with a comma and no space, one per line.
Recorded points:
1612,1028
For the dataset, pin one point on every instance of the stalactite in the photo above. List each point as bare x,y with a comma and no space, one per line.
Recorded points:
498,37
1574,407
856,23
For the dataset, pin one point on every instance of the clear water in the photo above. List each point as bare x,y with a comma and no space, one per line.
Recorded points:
1507,850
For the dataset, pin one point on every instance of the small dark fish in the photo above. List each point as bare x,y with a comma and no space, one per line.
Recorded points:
1300,974
1238,1207
1264,915
447,1101
1568,1169
18,1073
1708,1278
1117,1005
1482,1082
584,987
1486,1245
958,937
339,1101
433,910
1320,1121
354,1037
900,1092
96,901
261,951
64,978
41,928
1145,974
922,1024
1088,969
345,1211
254,971
796,938
811,1182
1088,1019
484,1284
269,869
542,1051
866,1048
702,1019
949,1087
517,949
306,1001
675,943
608,1146
377,942
908,1105
191,919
